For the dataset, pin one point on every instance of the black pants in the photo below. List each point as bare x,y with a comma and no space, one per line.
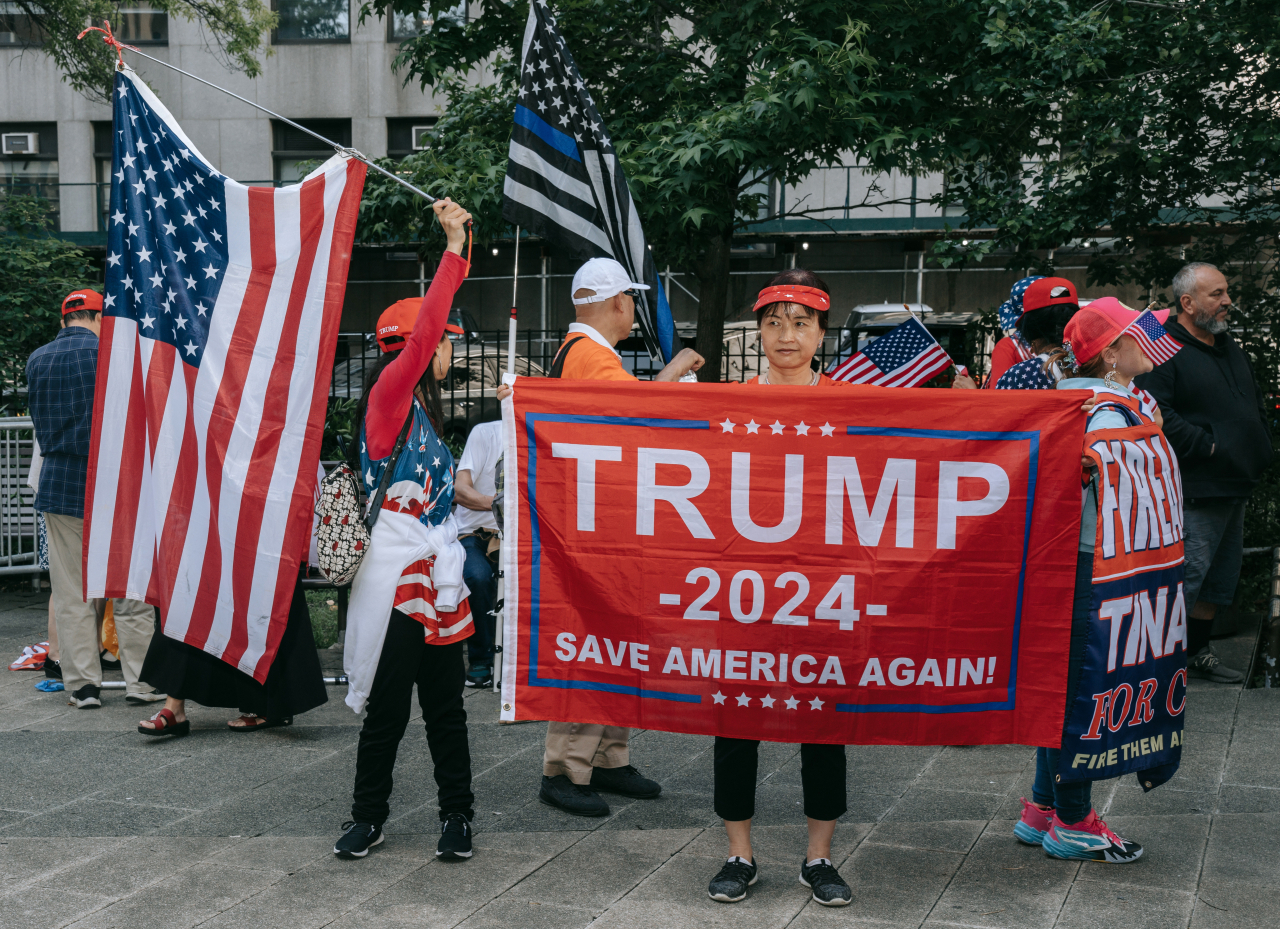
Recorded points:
822,773
437,670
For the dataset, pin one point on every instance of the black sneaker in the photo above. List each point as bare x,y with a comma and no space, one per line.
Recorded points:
1206,665
626,781
87,697
479,676
564,794
731,882
52,669
825,881
455,838
357,839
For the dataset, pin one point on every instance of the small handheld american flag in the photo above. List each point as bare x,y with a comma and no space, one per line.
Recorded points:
1152,338
905,356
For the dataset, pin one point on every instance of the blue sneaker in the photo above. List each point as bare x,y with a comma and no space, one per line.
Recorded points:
1089,840
1034,824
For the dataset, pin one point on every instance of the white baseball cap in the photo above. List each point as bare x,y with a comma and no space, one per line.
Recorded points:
606,277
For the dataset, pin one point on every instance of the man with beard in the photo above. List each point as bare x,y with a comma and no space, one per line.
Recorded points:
1215,418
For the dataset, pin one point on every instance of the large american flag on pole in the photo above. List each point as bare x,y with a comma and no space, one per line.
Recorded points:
221,305
905,356
563,178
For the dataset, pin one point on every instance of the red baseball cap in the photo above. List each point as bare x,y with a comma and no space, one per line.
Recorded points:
1099,324
81,300
396,324
1048,291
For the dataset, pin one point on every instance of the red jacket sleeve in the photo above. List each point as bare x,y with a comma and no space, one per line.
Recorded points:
393,393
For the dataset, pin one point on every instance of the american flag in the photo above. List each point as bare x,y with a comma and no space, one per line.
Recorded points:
1151,337
904,356
221,314
563,178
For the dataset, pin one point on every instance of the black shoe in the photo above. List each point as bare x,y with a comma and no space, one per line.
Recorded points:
573,798
357,839
731,882
87,697
1206,665
455,839
825,881
52,669
108,664
626,781
479,676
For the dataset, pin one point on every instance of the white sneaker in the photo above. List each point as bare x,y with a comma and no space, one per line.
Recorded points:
87,697
149,697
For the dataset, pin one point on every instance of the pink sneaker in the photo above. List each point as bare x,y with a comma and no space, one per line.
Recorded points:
1089,840
1031,828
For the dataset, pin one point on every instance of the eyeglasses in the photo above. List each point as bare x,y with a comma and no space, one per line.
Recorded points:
632,293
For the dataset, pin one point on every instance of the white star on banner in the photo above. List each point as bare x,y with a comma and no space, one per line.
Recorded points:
718,697
791,703
727,426
802,429
743,700
767,701
827,429
777,427
815,703
753,428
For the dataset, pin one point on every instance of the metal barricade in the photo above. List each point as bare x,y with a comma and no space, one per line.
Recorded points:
17,500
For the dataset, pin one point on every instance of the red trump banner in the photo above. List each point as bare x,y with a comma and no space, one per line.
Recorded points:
859,566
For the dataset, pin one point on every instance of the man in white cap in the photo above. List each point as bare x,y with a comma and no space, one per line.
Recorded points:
583,758
604,298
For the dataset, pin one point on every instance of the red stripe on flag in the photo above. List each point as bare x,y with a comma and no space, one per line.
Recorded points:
226,407
173,537
266,445
298,532
129,490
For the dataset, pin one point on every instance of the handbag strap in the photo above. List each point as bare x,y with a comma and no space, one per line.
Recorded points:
371,518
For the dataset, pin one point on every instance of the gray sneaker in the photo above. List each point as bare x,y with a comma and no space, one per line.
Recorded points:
1207,666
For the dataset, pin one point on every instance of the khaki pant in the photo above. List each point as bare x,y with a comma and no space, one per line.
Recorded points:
77,620
573,749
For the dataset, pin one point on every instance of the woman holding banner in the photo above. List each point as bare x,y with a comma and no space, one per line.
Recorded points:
408,613
791,314
1105,357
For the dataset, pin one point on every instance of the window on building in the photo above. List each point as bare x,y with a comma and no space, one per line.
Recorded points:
409,134
291,148
102,143
17,28
29,160
403,26
139,23
312,21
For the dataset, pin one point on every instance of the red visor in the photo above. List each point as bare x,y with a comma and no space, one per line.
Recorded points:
811,297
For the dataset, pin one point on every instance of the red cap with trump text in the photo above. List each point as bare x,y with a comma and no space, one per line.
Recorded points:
396,324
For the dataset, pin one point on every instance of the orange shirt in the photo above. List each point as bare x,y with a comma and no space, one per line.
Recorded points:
588,360
823,381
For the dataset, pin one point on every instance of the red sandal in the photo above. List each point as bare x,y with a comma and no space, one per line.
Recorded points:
263,724
166,724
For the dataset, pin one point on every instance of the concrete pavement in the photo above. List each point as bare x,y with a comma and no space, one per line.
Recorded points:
100,827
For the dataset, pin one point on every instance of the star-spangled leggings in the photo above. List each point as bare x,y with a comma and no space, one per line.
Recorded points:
822,775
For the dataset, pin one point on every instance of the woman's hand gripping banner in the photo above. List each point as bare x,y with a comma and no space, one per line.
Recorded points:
862,566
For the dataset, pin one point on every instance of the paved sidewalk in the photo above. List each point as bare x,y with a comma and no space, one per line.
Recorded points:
100,827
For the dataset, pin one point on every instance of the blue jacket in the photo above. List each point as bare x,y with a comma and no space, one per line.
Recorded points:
60,382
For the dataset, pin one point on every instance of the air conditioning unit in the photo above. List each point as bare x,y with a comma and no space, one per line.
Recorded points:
20,143
421,136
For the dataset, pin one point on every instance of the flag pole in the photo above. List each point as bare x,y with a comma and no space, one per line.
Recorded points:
511,330
340,149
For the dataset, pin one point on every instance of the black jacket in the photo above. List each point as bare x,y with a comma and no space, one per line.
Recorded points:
1208,398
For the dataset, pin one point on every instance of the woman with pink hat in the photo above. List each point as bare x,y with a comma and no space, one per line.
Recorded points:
1105,346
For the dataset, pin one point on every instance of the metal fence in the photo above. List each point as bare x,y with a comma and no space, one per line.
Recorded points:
17,512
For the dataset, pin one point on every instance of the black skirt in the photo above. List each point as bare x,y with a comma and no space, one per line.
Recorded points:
294,684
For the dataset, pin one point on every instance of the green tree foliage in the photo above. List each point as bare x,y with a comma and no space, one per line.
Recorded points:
236,29
36,272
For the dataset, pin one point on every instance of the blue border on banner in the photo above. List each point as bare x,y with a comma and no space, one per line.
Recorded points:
532,419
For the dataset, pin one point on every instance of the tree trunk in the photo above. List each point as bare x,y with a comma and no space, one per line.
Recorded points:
713,296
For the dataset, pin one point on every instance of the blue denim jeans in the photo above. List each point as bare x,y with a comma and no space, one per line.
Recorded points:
482,580
1072,801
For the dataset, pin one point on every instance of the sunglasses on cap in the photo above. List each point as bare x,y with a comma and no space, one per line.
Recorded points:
632,293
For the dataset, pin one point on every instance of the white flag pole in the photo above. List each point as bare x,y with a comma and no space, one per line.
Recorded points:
511,331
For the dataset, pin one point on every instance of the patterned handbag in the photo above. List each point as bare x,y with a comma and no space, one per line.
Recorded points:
342,535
